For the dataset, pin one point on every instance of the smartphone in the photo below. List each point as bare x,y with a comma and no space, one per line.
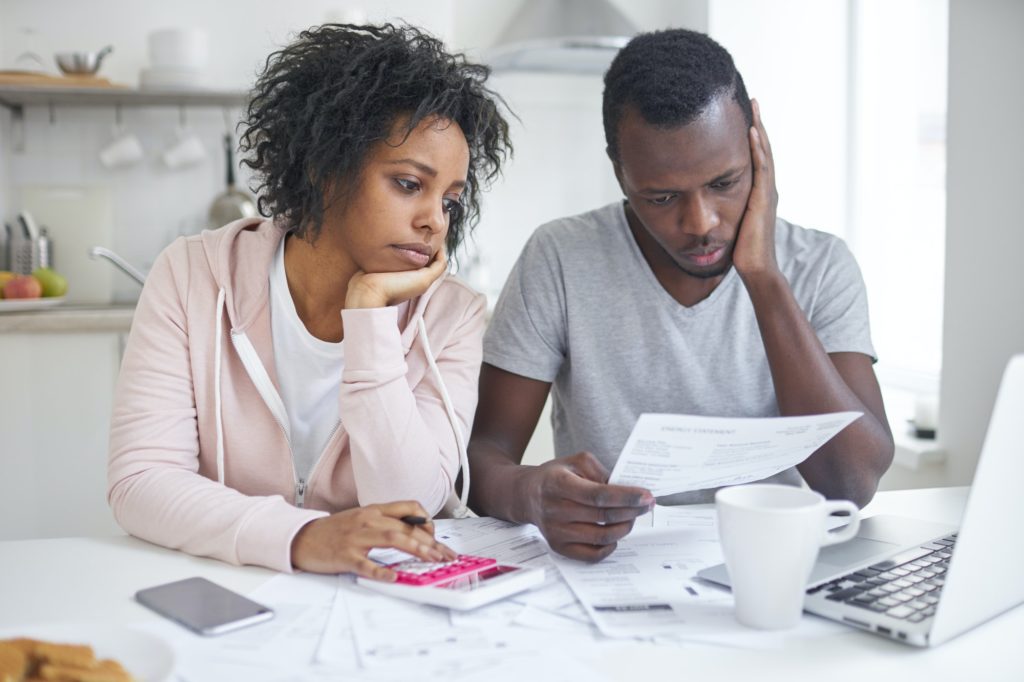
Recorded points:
203,606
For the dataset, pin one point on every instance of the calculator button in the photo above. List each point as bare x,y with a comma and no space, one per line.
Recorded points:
415,572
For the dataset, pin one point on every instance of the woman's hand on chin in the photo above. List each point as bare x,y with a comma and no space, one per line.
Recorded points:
380,289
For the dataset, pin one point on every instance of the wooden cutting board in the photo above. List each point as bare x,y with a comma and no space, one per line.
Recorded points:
38,78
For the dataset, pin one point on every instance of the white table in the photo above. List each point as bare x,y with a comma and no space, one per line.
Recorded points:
93,579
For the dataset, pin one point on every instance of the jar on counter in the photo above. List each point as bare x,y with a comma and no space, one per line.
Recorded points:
43,250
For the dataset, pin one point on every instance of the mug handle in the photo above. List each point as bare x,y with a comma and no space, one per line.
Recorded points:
847,532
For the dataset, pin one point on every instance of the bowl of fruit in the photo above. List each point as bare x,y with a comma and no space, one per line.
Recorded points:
41,289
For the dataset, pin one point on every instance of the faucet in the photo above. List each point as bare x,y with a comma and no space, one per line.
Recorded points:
120,263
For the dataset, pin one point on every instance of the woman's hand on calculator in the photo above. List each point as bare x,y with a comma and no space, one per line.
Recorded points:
339,543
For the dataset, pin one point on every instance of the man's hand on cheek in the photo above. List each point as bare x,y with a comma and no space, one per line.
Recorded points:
380,289
755,244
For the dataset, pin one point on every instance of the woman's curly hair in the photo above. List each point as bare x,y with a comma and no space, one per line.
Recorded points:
325,99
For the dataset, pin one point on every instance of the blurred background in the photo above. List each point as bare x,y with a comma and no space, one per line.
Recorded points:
894,126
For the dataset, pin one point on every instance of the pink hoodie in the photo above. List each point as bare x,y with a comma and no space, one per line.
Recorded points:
199,452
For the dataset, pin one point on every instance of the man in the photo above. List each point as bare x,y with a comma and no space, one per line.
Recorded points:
688,297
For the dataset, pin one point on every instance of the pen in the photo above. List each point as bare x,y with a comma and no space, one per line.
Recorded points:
413,520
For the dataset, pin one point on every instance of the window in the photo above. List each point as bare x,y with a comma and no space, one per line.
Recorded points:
854,101
898,194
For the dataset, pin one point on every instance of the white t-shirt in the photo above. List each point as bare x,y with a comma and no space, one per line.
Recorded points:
308,374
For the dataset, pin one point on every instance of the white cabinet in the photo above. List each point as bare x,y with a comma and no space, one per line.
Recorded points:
56,393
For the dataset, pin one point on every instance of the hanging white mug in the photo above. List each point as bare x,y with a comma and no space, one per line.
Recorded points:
124,150
187,150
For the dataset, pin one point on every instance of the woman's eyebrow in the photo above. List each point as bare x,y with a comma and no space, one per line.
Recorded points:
429,170
424,168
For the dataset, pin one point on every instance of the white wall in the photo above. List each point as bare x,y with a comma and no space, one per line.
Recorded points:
984,305
809,140
560,167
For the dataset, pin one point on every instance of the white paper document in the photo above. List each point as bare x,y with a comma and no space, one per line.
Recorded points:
377,638
674,453
646,588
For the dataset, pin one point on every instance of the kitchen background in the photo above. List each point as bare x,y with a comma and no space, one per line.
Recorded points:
893,126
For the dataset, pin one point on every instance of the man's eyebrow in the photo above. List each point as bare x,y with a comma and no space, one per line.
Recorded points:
732,172
728,174
424,168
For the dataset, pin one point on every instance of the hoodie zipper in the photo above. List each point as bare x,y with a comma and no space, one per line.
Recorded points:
302,484
265,387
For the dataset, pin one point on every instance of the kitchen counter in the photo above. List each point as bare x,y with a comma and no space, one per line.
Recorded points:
69,318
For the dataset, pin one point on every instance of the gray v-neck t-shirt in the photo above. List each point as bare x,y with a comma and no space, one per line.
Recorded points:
582,309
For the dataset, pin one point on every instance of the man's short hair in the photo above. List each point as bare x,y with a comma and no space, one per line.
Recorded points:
669,77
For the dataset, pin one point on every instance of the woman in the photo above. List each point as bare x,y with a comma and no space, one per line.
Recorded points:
279,390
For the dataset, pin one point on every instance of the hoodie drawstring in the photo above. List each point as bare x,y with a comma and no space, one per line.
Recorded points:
218,325
462,511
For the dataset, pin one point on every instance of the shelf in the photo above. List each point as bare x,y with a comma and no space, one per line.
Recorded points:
17,96
916,453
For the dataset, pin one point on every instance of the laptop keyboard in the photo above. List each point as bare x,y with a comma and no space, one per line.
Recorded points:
907,586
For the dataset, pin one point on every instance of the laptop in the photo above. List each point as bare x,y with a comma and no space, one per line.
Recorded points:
922,583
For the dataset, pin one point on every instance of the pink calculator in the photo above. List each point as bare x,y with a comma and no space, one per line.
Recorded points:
466,583
422,573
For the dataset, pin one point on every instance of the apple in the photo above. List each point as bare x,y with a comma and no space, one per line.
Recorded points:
23,286
53,283
5,277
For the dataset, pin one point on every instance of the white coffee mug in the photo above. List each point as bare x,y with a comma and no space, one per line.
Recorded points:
770,537
187,150
124,150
